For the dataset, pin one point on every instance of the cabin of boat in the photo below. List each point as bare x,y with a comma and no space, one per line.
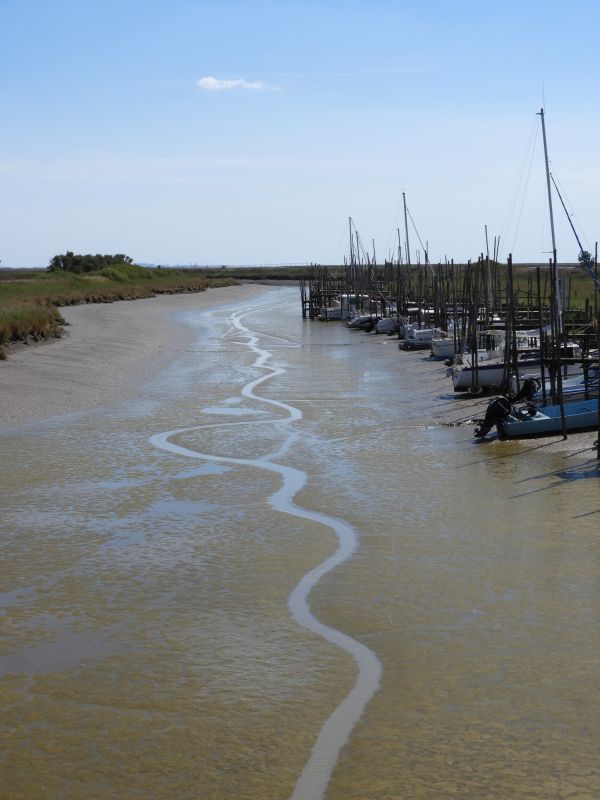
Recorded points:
418,338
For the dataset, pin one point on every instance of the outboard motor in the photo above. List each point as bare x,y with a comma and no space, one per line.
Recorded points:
530,388
497,410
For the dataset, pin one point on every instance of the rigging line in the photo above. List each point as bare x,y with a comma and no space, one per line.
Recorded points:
342,243
558,184
417,232
525,171
518,224
583,256
361,245
392,233
567,213
527,156
520,177
425,250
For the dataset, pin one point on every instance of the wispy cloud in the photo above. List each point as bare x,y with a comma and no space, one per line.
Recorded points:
211,84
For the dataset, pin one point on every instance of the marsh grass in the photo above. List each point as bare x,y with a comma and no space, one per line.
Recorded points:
29,322
29,299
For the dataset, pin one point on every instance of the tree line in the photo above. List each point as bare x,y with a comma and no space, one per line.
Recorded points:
75,262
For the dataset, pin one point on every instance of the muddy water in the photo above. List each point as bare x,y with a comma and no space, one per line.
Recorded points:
269,578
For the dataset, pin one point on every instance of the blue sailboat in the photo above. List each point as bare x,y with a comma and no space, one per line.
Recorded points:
530,421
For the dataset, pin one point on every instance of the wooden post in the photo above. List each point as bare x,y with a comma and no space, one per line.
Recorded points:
598,398
557,347
542,343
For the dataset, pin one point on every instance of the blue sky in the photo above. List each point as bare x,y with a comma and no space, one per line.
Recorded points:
113,139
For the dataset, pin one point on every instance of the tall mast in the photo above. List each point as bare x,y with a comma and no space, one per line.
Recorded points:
541,114
554,263
406,230
351,242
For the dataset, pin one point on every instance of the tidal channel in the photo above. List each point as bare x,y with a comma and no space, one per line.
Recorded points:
272,575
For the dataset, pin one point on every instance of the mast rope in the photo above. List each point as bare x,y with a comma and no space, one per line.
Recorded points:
523,178
584,255
392,233
425,250
558,184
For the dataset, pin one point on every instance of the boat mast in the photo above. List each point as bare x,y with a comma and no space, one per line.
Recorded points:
558,309
406,230
558,325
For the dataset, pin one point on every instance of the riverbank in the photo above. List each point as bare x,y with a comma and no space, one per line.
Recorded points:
458,409
106,352
29,299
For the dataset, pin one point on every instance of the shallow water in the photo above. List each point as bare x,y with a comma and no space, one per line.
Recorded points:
156,559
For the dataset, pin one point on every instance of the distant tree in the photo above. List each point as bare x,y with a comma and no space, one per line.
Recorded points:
121,259
71,262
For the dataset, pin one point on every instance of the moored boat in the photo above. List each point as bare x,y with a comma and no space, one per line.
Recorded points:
490,372
364,322
443,346
528,421
330,312
388,325
418,338
571,387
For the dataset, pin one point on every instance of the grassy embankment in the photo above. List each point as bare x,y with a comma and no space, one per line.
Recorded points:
283,273
29,299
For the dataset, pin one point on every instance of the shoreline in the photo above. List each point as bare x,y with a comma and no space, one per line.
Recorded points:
462,409
107,351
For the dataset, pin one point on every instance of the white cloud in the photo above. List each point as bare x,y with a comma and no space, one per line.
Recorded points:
211,84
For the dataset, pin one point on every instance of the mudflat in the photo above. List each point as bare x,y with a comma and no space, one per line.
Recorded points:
107,352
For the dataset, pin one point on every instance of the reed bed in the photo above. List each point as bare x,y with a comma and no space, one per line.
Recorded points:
29,299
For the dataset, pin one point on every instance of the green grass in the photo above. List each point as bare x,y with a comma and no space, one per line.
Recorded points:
255,273
29,299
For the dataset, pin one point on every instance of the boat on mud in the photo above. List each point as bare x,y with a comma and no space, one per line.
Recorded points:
488,372
571,388
363,322
418,338
327,313
443,346
531,421
389,325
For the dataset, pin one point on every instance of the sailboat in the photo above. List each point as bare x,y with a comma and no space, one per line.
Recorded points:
579,415
563,417
488,371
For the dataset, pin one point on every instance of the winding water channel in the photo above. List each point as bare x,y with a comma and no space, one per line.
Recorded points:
273,576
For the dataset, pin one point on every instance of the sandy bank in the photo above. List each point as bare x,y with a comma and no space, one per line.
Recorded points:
106,353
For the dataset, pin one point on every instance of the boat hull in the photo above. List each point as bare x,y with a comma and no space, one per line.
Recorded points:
490,377
442,348
419,338
579,415
330,312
